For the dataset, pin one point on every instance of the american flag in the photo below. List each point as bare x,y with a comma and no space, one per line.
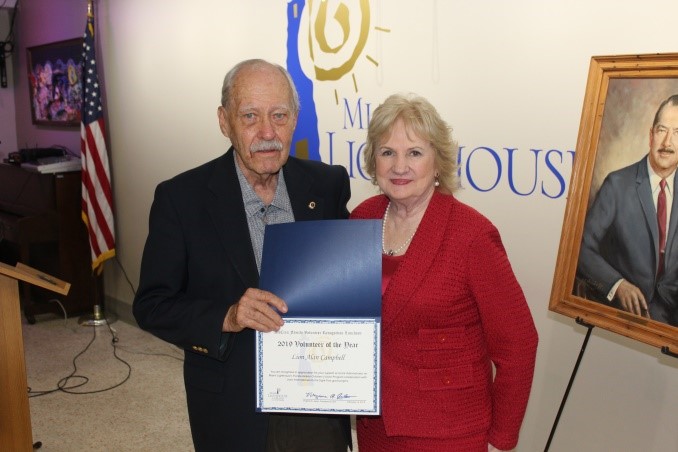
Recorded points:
97,196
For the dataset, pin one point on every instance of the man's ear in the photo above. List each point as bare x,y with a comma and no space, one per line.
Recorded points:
295,118
222,114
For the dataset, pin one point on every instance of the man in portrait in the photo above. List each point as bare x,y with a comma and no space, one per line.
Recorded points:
629,251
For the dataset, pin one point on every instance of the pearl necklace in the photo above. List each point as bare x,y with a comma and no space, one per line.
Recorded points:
392,252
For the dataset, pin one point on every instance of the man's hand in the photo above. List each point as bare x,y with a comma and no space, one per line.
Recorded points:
256,309
631,298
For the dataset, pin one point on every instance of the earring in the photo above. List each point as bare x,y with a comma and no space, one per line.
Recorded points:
437,182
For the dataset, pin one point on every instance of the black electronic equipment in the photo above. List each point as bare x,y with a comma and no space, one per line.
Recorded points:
14,158
33,154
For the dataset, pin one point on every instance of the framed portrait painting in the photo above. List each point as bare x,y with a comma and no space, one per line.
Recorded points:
54,83
617,265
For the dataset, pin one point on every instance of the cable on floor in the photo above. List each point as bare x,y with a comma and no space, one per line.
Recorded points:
63,384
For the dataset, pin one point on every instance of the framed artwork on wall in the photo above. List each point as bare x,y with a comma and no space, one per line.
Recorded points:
617,265
54,83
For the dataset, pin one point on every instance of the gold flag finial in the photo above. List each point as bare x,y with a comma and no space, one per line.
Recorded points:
89,9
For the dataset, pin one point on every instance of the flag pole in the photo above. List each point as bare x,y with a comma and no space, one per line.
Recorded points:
98,317
93,142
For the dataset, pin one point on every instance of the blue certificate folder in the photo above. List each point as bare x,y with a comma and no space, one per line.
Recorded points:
326,358
328,268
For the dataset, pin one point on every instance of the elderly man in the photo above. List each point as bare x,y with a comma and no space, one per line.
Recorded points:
201,263
629,253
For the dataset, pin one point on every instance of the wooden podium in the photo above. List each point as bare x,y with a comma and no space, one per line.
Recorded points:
15,417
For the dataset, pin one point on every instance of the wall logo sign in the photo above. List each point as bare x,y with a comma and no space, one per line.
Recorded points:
332,40
327,42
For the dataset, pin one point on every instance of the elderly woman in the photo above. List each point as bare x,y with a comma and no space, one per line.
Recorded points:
451,305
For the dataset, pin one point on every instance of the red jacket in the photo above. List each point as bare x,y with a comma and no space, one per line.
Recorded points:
452,308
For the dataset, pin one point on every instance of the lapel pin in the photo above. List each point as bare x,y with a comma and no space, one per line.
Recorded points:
311,205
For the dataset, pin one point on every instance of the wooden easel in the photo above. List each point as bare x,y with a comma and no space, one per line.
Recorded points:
15,417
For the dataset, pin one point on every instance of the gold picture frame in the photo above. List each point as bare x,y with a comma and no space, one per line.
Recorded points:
623,93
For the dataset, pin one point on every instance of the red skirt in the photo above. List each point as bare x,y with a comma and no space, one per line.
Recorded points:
372,438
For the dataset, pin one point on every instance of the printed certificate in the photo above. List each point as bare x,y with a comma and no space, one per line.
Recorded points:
326,358
321,366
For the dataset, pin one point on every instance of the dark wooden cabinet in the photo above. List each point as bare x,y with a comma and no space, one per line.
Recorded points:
41,226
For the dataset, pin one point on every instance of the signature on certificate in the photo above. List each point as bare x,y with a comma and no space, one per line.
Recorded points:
333,396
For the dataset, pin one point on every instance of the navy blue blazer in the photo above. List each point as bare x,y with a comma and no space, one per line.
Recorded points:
621,239
197,261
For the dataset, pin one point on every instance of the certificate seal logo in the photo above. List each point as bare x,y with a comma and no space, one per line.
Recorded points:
277,396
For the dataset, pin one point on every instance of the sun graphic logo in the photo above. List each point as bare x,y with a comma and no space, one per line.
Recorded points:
326,40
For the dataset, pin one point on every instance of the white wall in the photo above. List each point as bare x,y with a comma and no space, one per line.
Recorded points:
505,74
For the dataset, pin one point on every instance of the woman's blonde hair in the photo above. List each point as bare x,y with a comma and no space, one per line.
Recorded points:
421,118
